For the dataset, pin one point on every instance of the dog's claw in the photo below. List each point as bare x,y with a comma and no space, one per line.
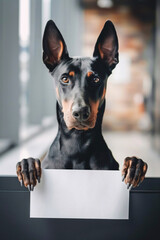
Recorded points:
21,182
129,185
32,187
123,177
29,187
38,178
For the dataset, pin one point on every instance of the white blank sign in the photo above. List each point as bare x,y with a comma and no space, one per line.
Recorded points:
91,194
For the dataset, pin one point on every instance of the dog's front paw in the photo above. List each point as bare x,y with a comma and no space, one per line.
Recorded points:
28,172
133,171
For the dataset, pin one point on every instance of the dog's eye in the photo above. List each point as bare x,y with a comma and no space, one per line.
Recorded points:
96,80
65,80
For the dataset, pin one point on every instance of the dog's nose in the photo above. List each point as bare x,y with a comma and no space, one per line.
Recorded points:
81,114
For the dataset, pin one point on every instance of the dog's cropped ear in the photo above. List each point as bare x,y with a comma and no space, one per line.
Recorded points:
107,45
54,47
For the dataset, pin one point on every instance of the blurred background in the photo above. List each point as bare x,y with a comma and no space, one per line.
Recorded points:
131,123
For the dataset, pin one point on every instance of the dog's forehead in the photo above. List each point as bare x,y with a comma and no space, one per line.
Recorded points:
75,64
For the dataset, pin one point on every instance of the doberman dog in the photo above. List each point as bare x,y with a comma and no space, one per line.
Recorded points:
80,85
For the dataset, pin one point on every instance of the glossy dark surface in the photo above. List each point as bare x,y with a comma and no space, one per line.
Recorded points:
16,224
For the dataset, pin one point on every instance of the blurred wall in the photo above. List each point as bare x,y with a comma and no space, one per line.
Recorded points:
9,71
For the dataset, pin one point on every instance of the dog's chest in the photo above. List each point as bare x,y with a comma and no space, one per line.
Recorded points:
76,146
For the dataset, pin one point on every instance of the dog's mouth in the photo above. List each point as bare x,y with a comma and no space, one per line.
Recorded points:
81,125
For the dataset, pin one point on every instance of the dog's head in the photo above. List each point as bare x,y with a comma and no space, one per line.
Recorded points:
80,82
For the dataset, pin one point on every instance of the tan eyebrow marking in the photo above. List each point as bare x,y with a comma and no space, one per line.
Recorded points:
72,73
89,74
